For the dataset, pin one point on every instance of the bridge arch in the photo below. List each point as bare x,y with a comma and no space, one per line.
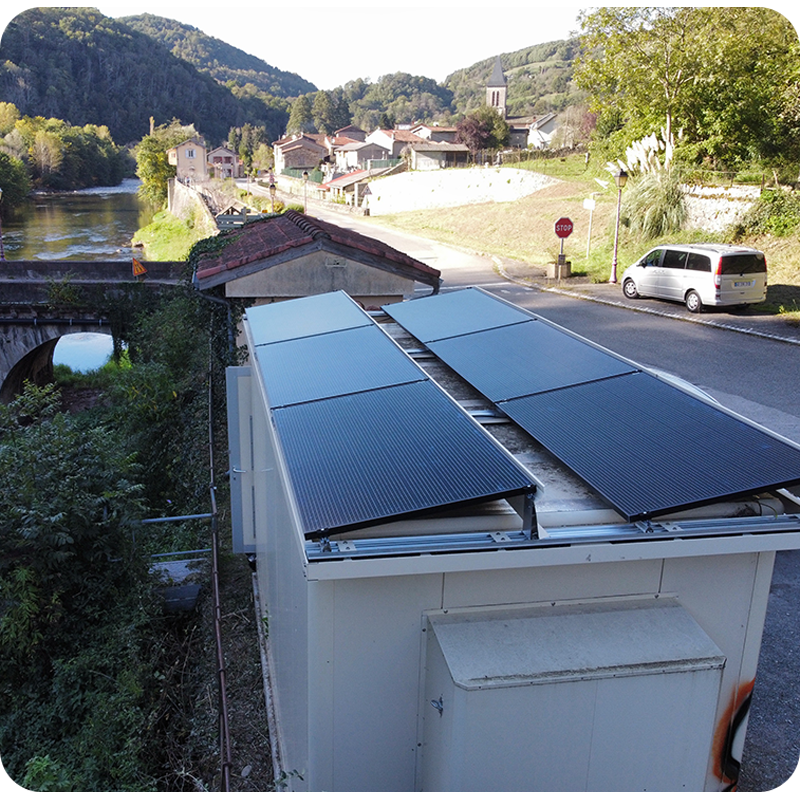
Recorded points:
26,350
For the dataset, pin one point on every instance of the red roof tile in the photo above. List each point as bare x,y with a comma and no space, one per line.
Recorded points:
263,239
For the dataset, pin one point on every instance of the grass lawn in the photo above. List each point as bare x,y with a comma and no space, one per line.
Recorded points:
524,230
168,238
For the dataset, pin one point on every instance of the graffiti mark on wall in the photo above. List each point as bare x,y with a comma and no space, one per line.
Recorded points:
727,751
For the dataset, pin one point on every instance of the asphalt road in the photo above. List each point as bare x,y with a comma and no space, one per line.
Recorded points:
756,376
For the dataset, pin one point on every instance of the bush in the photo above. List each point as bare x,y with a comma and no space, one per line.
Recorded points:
776,212
654,205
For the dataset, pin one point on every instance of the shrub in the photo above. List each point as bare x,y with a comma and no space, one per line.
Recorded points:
775,212
654,205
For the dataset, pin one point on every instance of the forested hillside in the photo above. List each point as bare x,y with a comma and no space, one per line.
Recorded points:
221,61
77,65
539,80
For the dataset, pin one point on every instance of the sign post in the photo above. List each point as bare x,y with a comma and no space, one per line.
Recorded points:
589,203
563,229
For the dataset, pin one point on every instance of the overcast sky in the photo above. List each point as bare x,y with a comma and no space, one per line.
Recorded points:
329,44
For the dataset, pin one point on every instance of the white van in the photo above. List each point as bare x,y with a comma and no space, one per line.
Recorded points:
699,275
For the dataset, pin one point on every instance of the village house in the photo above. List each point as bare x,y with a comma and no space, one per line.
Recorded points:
224,163
358,155
189,160
299,151
436,133
293,255
436,155
393,141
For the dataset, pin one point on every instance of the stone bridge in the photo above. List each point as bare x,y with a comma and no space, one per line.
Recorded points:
40,301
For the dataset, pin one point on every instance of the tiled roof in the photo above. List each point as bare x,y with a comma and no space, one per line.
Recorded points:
264,239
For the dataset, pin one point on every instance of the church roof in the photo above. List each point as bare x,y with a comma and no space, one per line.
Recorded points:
498,78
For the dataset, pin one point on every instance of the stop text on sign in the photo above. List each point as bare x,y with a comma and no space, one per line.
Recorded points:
563,227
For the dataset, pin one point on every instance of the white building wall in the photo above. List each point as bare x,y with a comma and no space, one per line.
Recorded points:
365,640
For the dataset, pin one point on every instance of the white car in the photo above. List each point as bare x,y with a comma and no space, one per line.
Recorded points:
699,275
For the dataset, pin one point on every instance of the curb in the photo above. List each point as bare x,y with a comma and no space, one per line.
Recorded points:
585,296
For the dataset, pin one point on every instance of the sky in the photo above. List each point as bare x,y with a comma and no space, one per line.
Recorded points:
329,44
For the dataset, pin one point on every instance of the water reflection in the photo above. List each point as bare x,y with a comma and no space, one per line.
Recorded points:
83,352
89,225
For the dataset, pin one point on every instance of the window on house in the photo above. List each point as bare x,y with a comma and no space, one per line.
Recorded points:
189,153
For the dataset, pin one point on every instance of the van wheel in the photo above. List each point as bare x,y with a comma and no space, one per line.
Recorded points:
694,303
629,289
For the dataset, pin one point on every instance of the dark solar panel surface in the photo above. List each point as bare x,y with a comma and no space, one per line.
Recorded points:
385,454
454,314
306,316
646,446
524,359
650,448
366,435
341,362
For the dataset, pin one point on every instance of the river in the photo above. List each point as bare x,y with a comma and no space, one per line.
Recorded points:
88,225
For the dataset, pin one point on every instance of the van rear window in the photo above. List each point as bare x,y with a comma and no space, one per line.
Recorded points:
743,263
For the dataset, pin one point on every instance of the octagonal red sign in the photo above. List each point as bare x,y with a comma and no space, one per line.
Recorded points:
563,227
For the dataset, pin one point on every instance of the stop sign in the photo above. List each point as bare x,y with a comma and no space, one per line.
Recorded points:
563,227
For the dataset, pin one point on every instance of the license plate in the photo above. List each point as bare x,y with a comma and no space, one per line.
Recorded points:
739,284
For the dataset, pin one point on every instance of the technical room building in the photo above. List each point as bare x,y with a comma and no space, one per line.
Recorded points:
494,556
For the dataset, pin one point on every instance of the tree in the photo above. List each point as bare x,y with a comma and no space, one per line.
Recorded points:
66,504
152,165
14,182
301,119
716,74
641,60
484,129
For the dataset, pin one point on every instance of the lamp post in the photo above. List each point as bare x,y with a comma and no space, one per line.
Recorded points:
305,191
621,178
2,250
272,190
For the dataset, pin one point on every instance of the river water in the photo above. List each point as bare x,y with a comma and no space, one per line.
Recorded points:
88,225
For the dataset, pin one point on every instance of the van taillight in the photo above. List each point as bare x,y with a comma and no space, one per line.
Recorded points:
718,274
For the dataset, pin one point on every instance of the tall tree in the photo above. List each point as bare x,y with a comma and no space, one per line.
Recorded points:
718,74
642,60
301,119
484,129
152,165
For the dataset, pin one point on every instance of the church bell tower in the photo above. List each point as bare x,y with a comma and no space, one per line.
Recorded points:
496,89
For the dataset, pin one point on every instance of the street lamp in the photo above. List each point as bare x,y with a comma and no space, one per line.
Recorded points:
272,190
2,250
621,178
305,191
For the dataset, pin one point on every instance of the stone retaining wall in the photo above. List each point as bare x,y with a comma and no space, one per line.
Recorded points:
715,208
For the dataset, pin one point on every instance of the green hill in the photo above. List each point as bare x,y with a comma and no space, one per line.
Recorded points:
221,61
539,80
77,65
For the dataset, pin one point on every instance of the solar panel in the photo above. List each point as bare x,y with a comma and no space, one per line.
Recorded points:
366,436
650,448
524,359
336,363
305,316
646,446
454,314
387,454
